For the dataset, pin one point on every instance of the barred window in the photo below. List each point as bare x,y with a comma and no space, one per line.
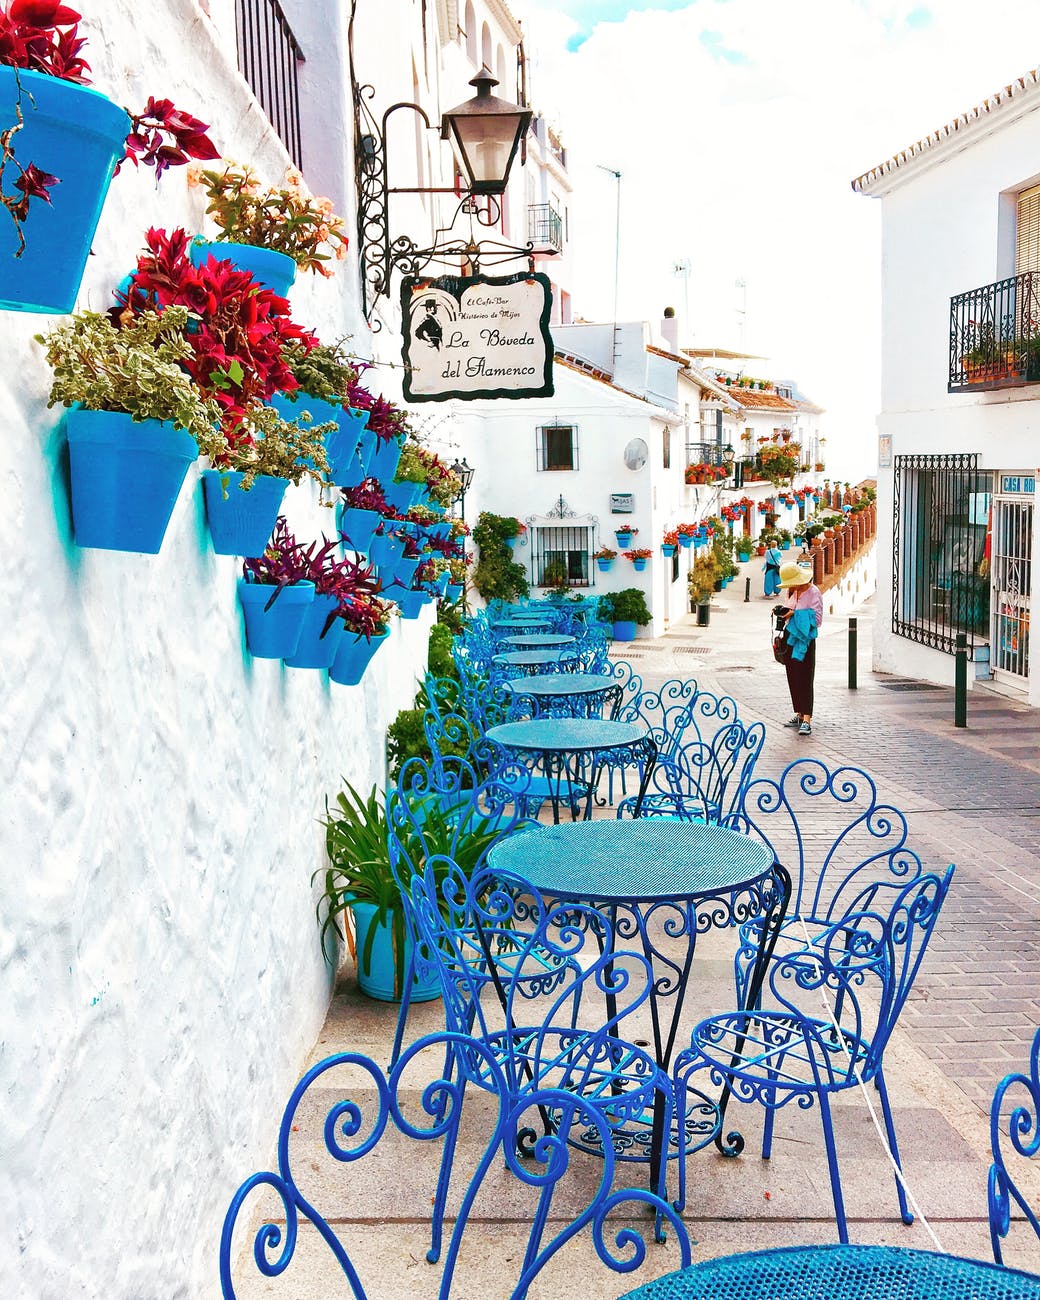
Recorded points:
561,556
557,447
940,583
269,57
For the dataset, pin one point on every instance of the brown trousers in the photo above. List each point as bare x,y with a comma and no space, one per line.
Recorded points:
800,673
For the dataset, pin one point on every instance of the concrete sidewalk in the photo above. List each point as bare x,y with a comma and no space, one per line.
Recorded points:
972,797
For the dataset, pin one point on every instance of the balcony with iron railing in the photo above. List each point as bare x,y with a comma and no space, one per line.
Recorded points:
545,227
995,335
704,453
269,57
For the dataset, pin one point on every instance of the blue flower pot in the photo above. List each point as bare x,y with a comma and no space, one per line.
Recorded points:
348,461
667,549
313,649
604,566
340,443
409,602
353,657
640,564
241,523
76,134
271,270
382,464
685,541
358,526
274,633
366,442
377,978
126,477
453,591
402,496
624,631
384,552
404,572
624,539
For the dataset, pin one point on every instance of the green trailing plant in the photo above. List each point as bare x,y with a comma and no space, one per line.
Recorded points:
136,370
324,372
411,468
284,449
625,606
439,660
497,576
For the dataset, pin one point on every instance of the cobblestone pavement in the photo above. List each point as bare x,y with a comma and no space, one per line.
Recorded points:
972,797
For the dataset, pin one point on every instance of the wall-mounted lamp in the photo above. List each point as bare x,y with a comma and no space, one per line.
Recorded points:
464,473
485,133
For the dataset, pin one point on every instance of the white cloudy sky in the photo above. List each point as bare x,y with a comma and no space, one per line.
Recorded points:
737,126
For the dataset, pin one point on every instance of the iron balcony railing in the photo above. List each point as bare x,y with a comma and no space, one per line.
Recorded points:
704,453
995,335
269,57
545,226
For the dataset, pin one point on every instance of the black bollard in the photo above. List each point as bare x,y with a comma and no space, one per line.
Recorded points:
960,682
747,590
853,638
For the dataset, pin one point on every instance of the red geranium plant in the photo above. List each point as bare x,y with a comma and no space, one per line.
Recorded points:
43,36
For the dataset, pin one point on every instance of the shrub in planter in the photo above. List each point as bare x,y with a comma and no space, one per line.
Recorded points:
496,575
626,609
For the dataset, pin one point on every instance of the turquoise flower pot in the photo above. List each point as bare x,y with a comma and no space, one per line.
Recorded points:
376,979
78,135
126,477
385,552
409,602
667,549
314,650
274,633
604,566
624,631
241,523
453,591
402,496
685,541
640,564
382,464
271,270
358,528
353,657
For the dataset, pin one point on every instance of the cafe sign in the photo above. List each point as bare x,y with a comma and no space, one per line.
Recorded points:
477,336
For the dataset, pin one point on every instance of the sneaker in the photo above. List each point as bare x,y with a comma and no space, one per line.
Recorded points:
805,729
795,722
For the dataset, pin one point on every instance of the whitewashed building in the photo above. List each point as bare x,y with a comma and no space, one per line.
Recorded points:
958,426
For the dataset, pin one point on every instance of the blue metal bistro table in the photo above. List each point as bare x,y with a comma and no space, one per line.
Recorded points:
576,695
523,623
536,641
842,1273
571,752
530,662
664,883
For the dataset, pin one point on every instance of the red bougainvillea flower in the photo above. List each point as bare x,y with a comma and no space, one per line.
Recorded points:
30,37
165,136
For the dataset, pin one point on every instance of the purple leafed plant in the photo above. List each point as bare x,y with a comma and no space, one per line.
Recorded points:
366,496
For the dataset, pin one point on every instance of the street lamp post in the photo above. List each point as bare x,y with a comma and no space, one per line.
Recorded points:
464,473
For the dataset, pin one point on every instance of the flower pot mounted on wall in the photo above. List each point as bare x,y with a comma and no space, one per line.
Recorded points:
271,270
241,522
273,627
78,135
126,477
354,656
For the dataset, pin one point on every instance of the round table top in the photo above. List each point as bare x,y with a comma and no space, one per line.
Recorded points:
566,735
647,859
844,1273
553,684
530,658
524,620
538,641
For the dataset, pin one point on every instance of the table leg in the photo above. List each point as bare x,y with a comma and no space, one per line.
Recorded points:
774,919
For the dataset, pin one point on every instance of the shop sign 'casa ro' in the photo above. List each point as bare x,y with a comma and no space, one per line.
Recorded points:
477,336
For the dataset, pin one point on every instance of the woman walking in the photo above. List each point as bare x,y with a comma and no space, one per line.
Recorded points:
773,557
803,603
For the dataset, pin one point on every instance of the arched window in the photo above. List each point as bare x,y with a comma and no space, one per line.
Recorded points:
485,47
471,32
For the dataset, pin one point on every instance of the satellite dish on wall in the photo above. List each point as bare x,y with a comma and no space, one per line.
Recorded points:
636,454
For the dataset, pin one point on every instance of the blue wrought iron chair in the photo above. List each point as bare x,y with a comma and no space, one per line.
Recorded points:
844,848
448,810
703,780
496,923
832,1009
397,1113
1014,1128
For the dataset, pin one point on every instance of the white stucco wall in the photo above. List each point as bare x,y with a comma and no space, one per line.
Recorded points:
946,225
160,797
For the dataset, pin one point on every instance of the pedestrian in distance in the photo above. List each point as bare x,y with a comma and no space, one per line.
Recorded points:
774,557
802,614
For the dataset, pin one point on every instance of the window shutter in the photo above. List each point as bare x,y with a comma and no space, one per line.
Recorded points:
1027,250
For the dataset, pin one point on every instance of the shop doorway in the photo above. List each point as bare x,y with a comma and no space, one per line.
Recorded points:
1011,561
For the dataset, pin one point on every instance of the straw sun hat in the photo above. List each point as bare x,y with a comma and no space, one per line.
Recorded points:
794,575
